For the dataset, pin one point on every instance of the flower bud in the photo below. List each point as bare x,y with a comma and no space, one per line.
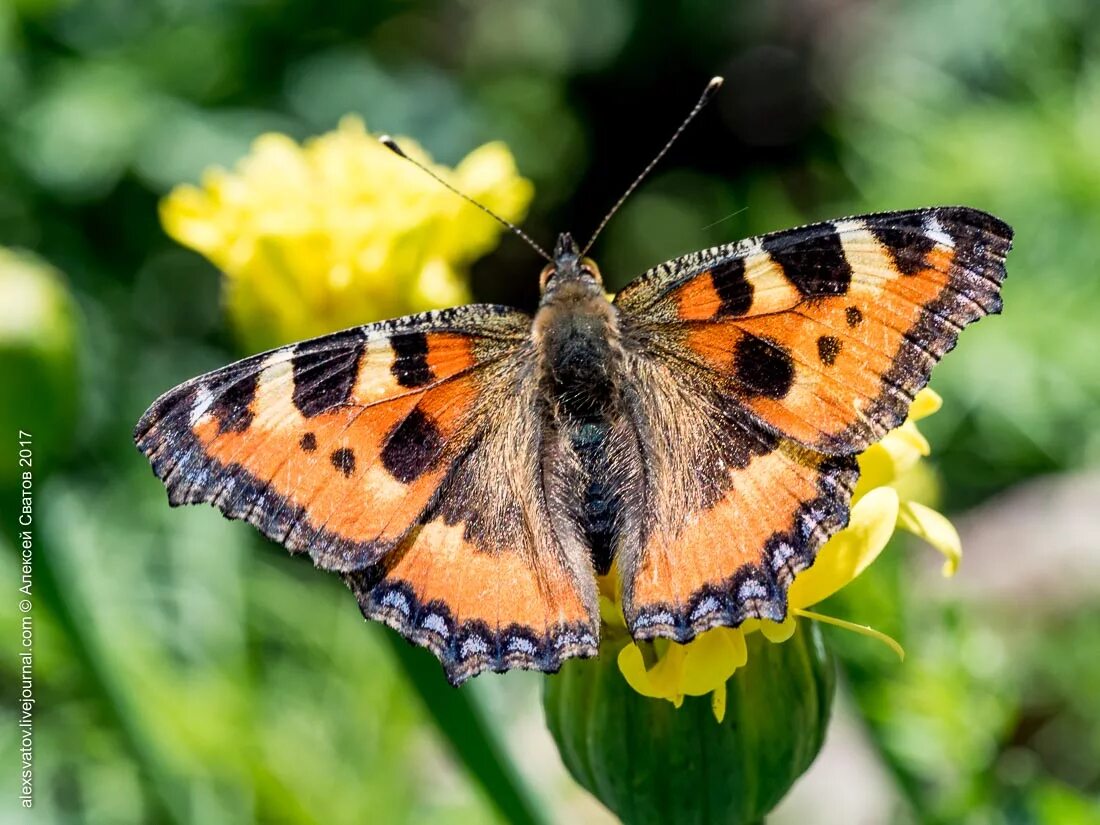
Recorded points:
651,762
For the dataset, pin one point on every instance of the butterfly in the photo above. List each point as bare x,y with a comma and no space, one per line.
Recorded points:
469,472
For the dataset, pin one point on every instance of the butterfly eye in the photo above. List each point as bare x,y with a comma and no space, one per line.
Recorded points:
544,276
588,265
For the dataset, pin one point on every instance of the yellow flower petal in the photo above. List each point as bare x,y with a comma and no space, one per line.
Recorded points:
710,659
185,217
904,446
778,632
662,681
609,585
849,552
861,629
695,669
910,441
439,285
632,666
718,703
750,625
927,402
935,529
899,450
876,469
611,612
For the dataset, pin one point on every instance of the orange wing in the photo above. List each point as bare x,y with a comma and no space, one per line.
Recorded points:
490,579
347,446
825,333
804,347
736,558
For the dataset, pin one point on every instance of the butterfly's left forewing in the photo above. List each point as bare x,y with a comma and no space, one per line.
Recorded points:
795,351
297,440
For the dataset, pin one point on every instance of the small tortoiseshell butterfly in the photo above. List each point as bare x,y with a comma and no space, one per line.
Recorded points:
470,471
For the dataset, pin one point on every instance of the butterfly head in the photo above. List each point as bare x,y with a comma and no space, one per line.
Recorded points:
568,266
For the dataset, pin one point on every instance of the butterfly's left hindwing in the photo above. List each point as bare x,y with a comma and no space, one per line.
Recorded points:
793,352
366,449
488,579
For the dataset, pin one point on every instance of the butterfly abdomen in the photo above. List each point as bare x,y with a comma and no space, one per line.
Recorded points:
602,501
577,336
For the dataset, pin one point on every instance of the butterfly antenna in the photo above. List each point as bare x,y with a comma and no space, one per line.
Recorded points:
391,144
712,87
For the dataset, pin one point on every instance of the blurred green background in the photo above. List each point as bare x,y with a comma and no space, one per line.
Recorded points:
186,671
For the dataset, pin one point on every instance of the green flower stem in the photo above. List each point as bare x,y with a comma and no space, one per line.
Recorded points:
462,724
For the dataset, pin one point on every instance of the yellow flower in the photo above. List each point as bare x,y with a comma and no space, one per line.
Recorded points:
890,475
340,231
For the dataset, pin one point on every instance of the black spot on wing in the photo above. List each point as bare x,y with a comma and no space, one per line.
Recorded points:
412,447
232,406
828,348
906,238
763,367
308,442
853,317
812,259
734,291
410,363
343,460
325,371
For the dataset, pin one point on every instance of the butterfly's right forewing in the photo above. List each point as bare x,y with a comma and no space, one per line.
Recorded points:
772,363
